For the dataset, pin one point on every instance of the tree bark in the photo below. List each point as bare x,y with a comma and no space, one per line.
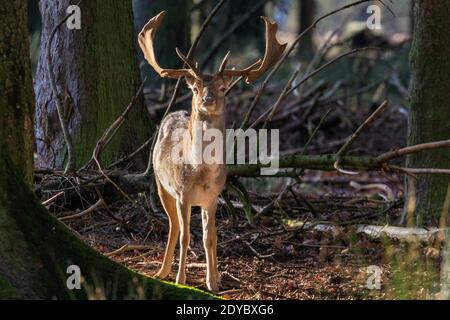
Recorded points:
300,16
97,77
16,102
306,16
430,105
36,249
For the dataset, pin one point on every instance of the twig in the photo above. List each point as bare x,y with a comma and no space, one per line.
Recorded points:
260,256
278,199
313,134
58,102
413,149
387,7
414,171
50,200
305,201
110,181
288,89
284,57
283,95
355,136
326,65
125,248
131,155
216,45
115,126
95,206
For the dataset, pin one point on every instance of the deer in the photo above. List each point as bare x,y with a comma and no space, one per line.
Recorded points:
184,184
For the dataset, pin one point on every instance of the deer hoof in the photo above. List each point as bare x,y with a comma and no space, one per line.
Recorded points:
161,274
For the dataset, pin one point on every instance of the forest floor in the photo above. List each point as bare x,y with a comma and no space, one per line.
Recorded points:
276,257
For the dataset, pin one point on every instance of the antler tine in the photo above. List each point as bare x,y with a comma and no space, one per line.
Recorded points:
273,53
224,63
146,39
192,66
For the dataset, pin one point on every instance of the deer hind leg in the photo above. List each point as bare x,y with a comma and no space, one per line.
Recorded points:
170,207
210,244
184,218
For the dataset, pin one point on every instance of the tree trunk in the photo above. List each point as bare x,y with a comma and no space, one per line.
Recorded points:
16,102
430,105
304,12
97,76
307,16
175,34
35,249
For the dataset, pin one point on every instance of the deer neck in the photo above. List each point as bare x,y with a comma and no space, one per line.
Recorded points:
199,123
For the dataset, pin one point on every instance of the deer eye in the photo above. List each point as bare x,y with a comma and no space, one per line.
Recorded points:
222,88
195,90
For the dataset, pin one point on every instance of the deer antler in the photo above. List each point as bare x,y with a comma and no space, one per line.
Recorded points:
146,38
274,51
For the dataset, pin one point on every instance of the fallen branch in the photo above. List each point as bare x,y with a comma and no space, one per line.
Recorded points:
421,235
409,235
126,248
256,253
94,207
412,150
50,200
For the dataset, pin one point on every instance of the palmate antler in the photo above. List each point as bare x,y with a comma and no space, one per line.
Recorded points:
146,38
274,51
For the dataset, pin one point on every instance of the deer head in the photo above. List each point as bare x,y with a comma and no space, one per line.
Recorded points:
209,90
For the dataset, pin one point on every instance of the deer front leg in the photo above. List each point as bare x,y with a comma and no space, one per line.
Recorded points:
170,207
184,217
210,244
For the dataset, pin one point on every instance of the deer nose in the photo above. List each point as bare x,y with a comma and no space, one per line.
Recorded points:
208,100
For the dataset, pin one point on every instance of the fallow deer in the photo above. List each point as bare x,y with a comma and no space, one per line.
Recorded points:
182,185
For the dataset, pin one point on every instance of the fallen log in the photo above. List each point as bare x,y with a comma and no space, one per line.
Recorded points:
401,234
417,235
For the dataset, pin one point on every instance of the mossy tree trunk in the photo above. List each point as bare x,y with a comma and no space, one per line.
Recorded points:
430,104
97,76
16,102
35,249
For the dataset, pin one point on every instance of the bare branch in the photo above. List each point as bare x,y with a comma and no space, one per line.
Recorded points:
385,157
355,136
286,55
